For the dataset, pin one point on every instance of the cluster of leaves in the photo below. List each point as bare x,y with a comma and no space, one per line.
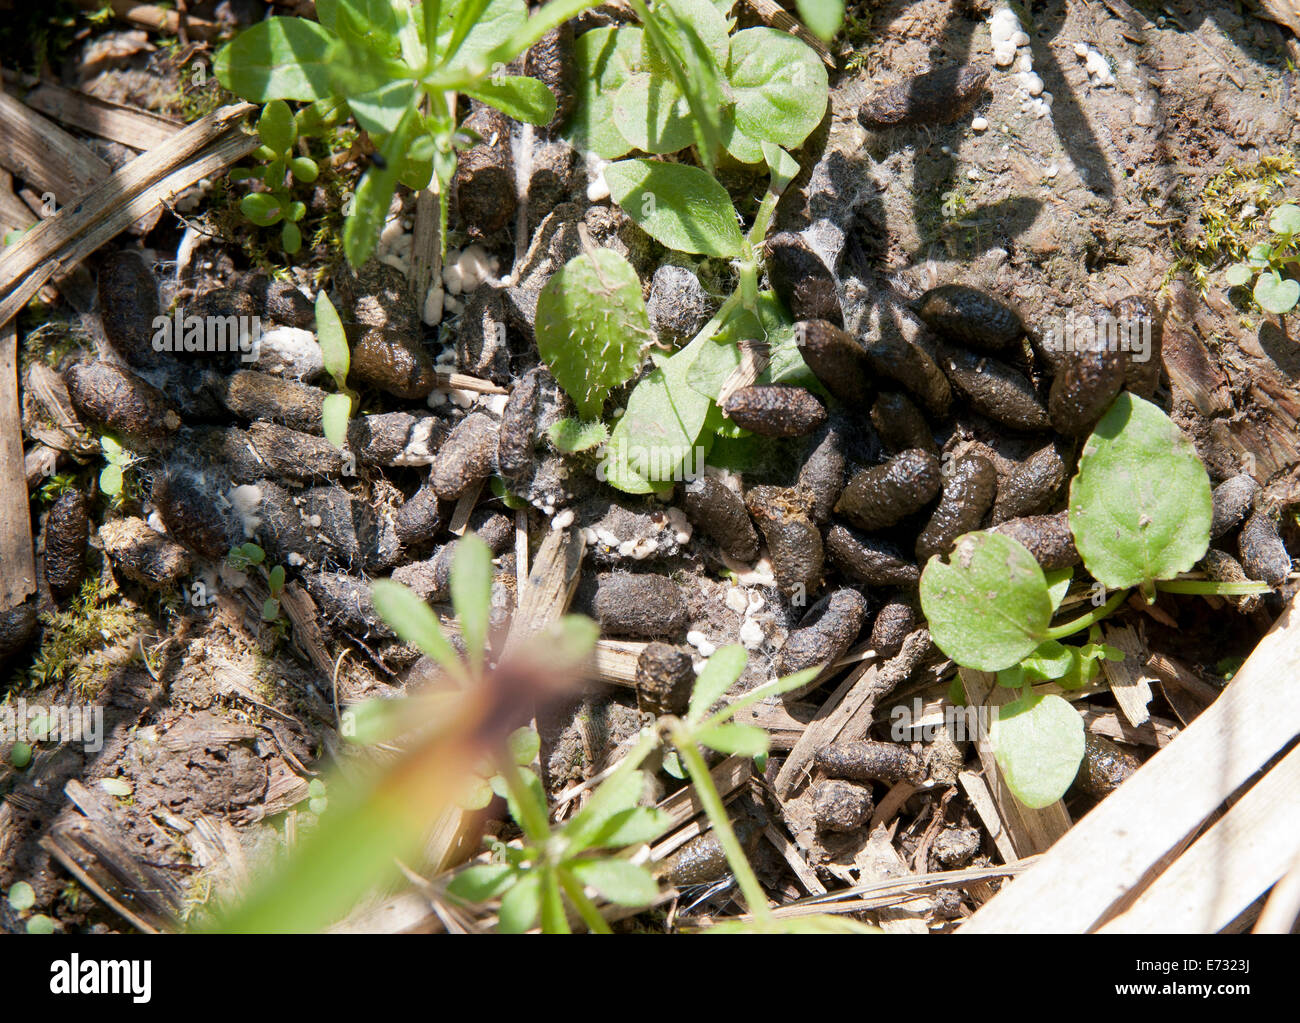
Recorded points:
279,130
21,899
681,79
397,68
1273,292
112,478
1140,514
250,555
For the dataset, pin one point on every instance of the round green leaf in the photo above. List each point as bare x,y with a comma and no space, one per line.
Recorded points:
40,924
1285,219
1140,504
270,610
280,58
1260,255
20,755
682,207
110,480
524,745
276,127
823,17
780,89
591,326
261,208
304,169
1038,743
290,237
1275,293
652,114
707,22
22,897
1237,275
988,606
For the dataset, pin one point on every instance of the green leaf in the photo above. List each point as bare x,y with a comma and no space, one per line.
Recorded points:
573,435
651,113
276,127
304,169
524,99
554,920
682,207
276,580
333,341
988,606
22,897
482,881
380,110
1260,255
618,793
718,360
40,924
290,237
335,413
591,326
1275,293
780,88
619,881
775,688
523,745
1140,503
784,167
1238,275
413,621
823,17
660,429
533,793
270,610
605,59
632,826
733,739
110,480
1038,743
521,905
1050,660
1285,219
280,58
471,594
1058,584
717,676
375,192
479,28
262,208
690,63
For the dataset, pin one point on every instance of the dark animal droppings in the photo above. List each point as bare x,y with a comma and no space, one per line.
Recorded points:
515,440
484,185
1105,766
1224,568
190,513
868,760
968,315
935,97
664,679
823,635
900,360
468,456
1231,500
143,554
1084,386
994,389
720,512
793,540
868,559
841,805
66,537
835,357
1031,486
419,519
821,477
117,400
802,281
128,305
1046,537
900,423
1263,555
878,497
639,605
17,626
1134,313
967,495
775,411
894,623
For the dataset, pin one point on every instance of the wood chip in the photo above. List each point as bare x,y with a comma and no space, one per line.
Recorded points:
1130,685
18,580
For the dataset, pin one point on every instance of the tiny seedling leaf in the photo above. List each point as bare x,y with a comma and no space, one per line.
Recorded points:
471,594
1238,275
988,606
333,341
482,882
574,435
1038,743
524,99
1285,219
1140,503
276,127
110,480
733,739
335,412
823,17
22,897
717,676
1275,293
524,744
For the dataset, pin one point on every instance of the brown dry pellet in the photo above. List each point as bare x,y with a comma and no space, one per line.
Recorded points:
801,280
823,634
970,316
190,512
720,512
1046,537
66,537
1263,554
128,306
664,679
1231,500
878,497
1033,485
793,540
484,186
841,805
110,397
420,518
836,359
967,496
774,410
467,456
143,554
1105,766
1134,313
994,389
894,623
934,97
255,395
821,477
647,606
867,559
1224,568
868,760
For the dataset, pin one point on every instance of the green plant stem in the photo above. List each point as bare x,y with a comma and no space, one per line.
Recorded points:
1090,619
596,923
707,793
1201,587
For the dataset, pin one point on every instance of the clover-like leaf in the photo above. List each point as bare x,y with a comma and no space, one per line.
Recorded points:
1285,219
682,207
988,605
1275,293
1038,743
1140,503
